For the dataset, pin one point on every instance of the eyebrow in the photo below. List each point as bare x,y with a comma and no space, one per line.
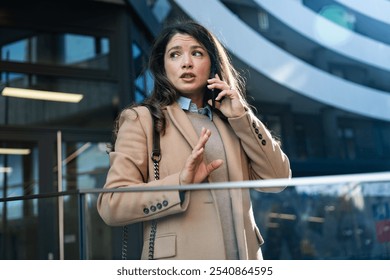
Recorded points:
194,47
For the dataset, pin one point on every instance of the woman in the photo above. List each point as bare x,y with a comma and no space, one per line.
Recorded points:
199,143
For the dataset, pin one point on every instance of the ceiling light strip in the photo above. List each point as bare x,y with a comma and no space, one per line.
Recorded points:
11,151
42,95
5,169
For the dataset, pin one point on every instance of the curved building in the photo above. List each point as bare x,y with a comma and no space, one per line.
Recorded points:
329,82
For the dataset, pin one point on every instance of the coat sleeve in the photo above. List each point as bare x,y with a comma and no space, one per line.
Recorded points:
129,166
266,158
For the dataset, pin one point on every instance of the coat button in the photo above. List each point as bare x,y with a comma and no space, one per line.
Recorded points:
159,205
254,125
263,142
257,130
153,208
165,203
260,136
146,211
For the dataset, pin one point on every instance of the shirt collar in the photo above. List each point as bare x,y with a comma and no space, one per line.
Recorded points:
186,104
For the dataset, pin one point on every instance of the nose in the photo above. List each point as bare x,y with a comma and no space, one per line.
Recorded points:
187,62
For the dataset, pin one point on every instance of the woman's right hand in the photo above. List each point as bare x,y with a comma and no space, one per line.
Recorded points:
195,169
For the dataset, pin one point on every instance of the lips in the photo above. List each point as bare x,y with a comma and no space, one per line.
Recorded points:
187,76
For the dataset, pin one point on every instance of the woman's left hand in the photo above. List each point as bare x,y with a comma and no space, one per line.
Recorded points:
228,101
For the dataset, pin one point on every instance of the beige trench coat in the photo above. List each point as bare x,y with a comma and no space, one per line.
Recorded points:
191,230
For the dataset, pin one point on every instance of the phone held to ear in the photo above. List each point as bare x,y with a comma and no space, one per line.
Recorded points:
214,91
214,94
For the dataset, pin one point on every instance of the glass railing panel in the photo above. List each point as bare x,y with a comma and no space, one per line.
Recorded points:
104,242
39,230
338,221
32,233
331,221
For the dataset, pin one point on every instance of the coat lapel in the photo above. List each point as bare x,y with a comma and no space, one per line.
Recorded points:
180,120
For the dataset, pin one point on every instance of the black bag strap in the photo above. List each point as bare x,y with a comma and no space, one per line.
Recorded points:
156,152
155,157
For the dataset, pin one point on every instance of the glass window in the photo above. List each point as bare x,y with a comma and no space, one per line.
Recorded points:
274,125
136,51
62,49
97,101
338,15
15,51
7,77
139,96
161,9
83,49
144,85
84,165
348,145
300,140
19,177
144,81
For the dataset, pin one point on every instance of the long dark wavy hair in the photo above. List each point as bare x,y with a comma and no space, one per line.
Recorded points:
163,92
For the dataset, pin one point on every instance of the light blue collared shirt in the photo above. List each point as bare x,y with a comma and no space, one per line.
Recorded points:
186,104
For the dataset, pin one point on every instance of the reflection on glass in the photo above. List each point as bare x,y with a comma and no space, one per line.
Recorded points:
334,221
18,177
33,235
143,85
15,51
144,81
339,221
86,51
136,51
63,49
98,96
84,165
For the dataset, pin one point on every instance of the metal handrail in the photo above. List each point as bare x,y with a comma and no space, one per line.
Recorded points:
37,196
266,183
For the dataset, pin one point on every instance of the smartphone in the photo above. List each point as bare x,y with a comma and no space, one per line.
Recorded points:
214,92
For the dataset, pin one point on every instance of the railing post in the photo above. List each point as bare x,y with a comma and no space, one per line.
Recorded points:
82,237
60,198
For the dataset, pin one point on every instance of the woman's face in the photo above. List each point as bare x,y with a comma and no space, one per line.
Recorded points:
187,66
